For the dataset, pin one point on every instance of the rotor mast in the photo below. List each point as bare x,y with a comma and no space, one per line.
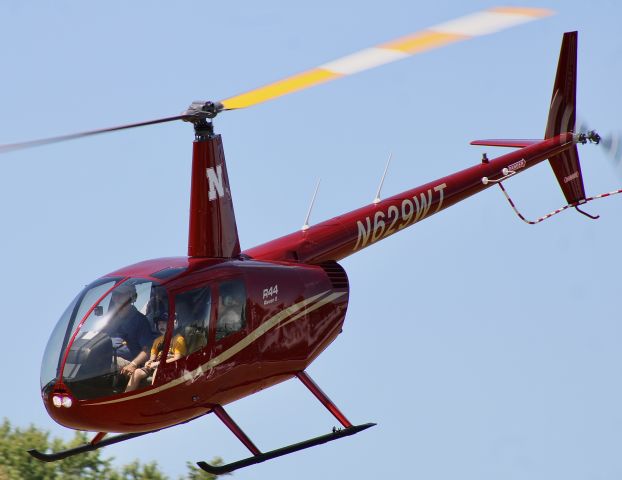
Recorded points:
212,229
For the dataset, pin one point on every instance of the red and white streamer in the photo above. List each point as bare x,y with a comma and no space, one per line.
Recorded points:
555,212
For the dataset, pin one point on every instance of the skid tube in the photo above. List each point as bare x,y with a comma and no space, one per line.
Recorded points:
259,457
279,452
96,443
87,447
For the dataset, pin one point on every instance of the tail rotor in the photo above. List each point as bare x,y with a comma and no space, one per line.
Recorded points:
611,144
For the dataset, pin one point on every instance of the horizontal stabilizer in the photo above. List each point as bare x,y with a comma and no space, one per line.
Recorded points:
505,142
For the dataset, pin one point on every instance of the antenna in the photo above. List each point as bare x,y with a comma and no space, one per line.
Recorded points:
377,199
306,225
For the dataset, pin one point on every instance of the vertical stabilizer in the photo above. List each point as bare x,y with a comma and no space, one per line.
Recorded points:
562,117
213,231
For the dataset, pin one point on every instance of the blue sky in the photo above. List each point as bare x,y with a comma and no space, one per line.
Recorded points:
483,348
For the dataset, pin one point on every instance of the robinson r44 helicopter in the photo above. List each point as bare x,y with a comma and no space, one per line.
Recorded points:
235,322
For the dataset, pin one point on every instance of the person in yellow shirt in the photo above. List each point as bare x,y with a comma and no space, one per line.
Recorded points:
178,349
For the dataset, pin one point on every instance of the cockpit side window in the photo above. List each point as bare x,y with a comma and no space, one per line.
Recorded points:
231,308
193,310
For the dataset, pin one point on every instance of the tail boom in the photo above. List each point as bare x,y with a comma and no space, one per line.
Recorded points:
349,233
344,235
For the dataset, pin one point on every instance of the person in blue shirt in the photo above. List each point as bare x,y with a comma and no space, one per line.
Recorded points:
129,330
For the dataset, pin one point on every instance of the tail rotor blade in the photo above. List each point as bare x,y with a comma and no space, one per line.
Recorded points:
611,142
613,145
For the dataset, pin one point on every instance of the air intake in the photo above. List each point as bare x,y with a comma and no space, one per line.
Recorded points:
336,274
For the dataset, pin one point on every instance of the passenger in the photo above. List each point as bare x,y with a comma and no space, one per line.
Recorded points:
154,308
230,318
178,349
129,330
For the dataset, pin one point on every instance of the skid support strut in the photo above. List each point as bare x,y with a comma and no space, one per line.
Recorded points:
237,431
323,398
259,456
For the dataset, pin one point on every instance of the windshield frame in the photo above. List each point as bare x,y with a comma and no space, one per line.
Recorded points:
67,346
81,368
61,335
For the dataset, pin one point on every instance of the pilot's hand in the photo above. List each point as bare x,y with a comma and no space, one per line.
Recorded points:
129,369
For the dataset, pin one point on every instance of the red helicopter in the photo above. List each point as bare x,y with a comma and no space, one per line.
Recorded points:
233,322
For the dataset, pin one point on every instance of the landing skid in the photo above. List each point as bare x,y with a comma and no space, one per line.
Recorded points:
88,447
262,457
259,456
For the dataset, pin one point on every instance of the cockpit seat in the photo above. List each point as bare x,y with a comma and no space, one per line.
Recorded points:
89,357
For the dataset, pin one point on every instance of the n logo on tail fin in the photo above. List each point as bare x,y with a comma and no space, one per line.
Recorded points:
215,184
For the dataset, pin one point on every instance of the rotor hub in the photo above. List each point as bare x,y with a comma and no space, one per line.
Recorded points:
591,137
200,110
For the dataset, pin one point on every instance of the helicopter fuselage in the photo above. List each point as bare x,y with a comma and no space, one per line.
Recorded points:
291,314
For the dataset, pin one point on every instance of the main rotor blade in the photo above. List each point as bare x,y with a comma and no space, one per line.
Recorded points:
72,136
462,28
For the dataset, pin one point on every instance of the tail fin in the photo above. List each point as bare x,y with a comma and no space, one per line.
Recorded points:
562,117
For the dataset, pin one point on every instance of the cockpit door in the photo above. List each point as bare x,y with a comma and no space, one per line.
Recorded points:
188,339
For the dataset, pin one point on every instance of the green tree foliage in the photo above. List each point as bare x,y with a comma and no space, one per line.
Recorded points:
17,464
195,473
136,471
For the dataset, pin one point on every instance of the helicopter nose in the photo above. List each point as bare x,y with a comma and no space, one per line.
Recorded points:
59,402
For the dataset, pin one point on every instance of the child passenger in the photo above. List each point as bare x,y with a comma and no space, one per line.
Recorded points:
177,350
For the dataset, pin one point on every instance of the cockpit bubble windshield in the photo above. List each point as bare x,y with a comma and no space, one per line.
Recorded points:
109,326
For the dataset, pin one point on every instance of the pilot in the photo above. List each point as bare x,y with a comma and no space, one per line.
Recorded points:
178,349
129,330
